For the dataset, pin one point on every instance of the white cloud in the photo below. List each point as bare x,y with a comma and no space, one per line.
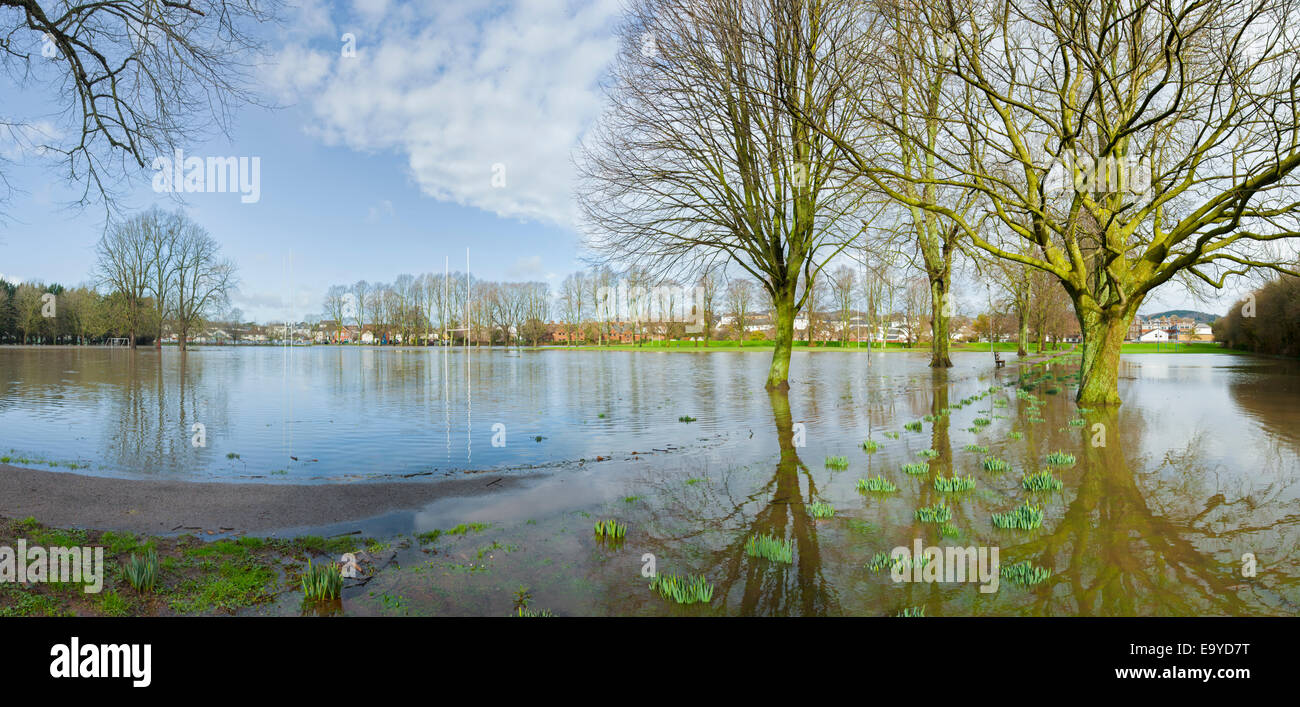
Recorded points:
527,268
459,90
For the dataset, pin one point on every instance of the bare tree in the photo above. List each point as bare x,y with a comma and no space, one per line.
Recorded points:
706,155
1126,143
844,284
740,299
203,280
123,259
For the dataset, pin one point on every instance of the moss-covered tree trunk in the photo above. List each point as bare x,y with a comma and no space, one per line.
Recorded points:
939,338
1103,336
778,374
1022,341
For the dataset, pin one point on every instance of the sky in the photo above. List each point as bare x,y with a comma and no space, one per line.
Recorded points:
402,135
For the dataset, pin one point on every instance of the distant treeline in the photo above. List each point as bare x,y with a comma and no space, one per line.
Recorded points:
1267,321
36,313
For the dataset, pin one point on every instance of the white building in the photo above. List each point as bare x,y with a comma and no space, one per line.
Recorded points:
1155,336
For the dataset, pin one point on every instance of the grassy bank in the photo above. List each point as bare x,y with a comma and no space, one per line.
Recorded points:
1002,347
192,576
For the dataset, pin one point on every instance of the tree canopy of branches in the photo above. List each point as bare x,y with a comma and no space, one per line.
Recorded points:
705,155
133,79
1127,143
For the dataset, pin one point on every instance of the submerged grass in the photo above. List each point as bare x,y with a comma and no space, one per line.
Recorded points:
770,547
938,513
1060,459
955,484
688,589
995,465
1024,517
916,469
817,509
1041,481
876,484
837,463
1025,573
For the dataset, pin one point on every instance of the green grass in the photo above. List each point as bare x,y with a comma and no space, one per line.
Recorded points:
316,545
688,589
112,604
912,426
917,469
1193,347
686,418
769,547
981,422
870,445
877,484
231,585
977,448
1024,517
1041,481
912,612
927,453
837,463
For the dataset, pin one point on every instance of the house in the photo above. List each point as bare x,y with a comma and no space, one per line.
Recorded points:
1154,336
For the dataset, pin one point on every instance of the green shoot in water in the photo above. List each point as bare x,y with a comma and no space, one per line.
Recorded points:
1041,481
1025,517
1060,459
954,485
1026,574
690,589
769,547
322,582
916,469
817,509
939,513
876,484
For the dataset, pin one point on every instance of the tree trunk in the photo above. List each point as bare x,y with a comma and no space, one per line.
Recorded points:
181,339
939,342
778,374
1022,345
1103,335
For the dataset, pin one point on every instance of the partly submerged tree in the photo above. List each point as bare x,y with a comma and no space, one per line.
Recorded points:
706,155
1127,143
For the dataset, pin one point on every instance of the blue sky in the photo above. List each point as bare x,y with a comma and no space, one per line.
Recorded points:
380,163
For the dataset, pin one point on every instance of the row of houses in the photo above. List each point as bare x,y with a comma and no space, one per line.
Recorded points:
1157,330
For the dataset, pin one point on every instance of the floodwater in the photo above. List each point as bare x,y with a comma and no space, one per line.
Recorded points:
1184,501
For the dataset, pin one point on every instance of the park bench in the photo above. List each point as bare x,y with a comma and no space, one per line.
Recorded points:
997,360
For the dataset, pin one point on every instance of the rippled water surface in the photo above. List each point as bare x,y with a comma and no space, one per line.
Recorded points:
1164,499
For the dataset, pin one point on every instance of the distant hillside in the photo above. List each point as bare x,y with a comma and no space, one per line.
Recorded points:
1201,317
